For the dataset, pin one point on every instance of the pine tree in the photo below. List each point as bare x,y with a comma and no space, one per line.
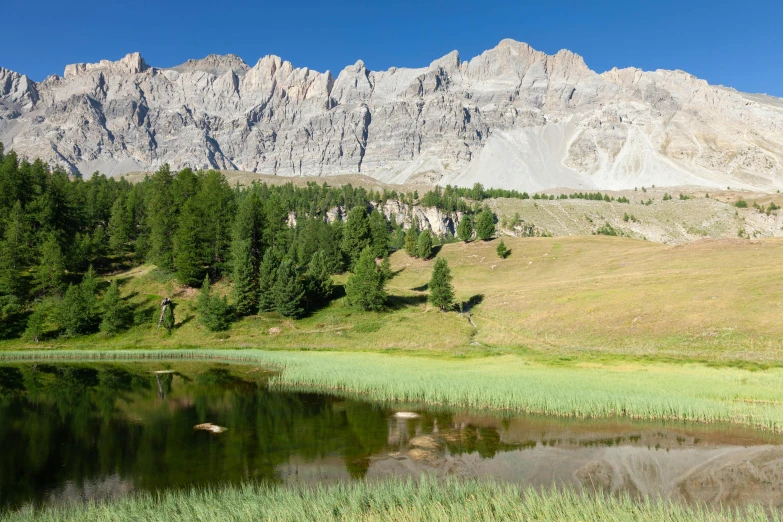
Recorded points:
217,204
485,226
365,287
267,274
248,226
214,312
424,245
441,289
49,273
203,299
36,323
73,312
465,228
288,292
13,254
114,316
356,234
502,250
412,239
244,278
319,279
188,245
379,233
120,226
161,213
88,289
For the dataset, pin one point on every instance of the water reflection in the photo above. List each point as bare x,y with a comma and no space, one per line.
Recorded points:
87,430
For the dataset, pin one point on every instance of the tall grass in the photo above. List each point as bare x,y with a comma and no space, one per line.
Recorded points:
407,500
692,392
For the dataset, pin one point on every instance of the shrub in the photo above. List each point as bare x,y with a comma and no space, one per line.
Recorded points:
741,203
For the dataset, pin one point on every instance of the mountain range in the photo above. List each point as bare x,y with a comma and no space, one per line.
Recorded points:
512,117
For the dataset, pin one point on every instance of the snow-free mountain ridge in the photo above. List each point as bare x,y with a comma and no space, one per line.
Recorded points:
512,117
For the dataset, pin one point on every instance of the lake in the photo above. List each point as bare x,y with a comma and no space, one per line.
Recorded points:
90,430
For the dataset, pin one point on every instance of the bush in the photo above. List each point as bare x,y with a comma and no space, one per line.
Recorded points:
607,230
502,251
741,203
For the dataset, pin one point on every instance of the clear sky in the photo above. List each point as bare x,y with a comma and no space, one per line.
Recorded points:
738,44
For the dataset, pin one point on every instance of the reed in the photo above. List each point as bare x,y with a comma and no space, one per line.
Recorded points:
690,392
397,499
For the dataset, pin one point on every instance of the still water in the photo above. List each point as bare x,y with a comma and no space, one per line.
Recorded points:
98,431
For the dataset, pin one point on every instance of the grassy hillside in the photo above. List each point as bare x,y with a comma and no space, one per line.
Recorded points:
588,296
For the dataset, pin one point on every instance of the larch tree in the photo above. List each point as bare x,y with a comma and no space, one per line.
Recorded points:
365,288
441,289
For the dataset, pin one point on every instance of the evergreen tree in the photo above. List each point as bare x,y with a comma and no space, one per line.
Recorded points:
465,228
319,279
73,313
214,312
217,209
49,274
356,234
267,274
424,245
161,219
120,226
502,250
36,323
441,289
485,226
244,278
188,246
13,254
114,314
379,233
89,289
288,292
248,226
365,289
412,239
386,270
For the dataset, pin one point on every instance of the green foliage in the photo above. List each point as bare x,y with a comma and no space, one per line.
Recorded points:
741,203
14,254
502,251
162,218
214,312
245,289
73,313
379,234
319,280
667,197
485,225
424,245
356,234
188,245
465,228
441,289
288,292
412,239
114,317
267,274
50,272
606,230
365,288
169,322
38,320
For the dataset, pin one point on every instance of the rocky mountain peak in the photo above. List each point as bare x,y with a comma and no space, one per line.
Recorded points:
132,63
512,117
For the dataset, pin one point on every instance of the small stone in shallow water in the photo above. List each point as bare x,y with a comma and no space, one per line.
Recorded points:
213,428
406,415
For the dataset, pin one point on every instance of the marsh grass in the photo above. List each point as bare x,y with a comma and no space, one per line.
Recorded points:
398,499
684,392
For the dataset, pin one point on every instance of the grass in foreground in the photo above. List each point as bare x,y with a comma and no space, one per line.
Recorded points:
381,501
684,392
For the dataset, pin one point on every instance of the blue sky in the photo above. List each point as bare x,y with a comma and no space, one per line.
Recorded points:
739,44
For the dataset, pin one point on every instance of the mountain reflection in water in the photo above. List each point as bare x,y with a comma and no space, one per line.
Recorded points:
99,430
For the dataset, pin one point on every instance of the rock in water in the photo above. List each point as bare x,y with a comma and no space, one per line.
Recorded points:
512,117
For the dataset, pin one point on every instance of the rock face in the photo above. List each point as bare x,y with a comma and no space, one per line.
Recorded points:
512,117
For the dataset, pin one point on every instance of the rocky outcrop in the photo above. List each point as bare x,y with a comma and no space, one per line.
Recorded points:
512,117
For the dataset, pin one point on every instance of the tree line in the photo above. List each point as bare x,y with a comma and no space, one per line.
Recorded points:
274,243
